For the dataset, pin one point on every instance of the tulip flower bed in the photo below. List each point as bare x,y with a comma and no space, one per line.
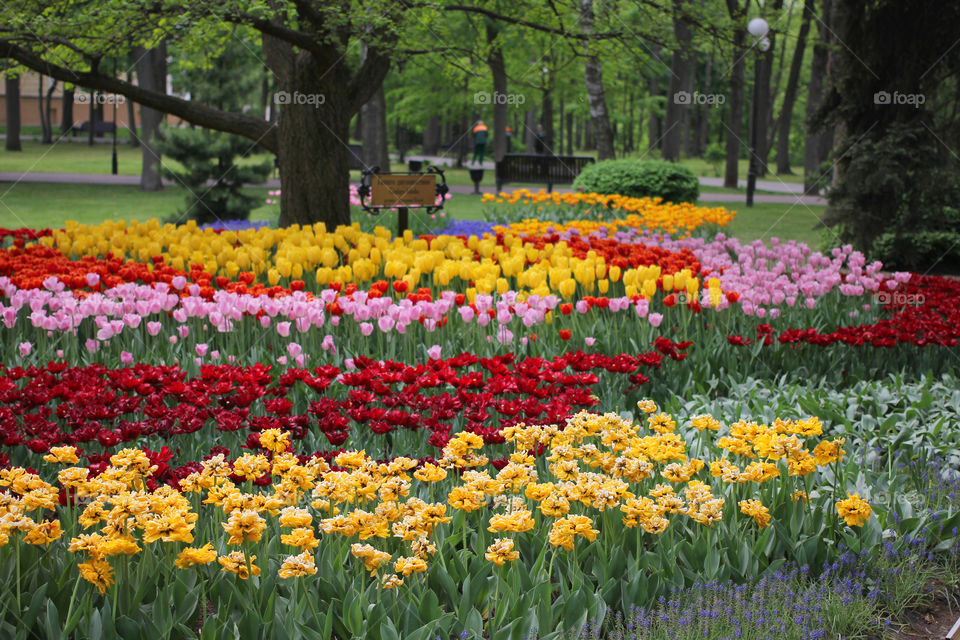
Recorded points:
388,408
612,512
299,432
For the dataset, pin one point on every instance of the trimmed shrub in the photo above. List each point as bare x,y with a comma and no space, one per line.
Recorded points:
633,178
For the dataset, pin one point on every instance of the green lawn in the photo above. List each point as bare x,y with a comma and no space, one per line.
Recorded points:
50,205
73,155
766,220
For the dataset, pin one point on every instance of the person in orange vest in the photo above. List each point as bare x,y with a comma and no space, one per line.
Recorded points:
480,135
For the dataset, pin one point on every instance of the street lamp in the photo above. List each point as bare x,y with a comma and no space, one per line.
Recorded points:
758,28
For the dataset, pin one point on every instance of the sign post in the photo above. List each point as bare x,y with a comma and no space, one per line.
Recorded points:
402,191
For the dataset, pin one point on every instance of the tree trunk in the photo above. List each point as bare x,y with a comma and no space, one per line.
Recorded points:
790,94
92,118
151,75
765,60
313,181
12,89
46,126
703,121
132,120
588,142
560,137
498,69
653,126
593,76
529,130
570,134
66,118
765,97
358,126
814,143
374,133
462,133
678,95
431,136
546,117
735,124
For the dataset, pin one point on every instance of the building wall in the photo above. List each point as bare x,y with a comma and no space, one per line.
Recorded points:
30,105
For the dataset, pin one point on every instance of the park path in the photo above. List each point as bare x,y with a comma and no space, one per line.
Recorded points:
786,197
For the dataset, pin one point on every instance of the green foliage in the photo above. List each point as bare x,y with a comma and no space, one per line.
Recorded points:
715,155
672,182
212,175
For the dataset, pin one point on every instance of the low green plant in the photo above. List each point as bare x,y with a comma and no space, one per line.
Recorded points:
636,179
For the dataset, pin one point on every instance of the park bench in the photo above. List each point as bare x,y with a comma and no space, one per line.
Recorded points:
525,167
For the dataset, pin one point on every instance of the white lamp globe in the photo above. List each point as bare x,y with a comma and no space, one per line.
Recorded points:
763,44
758,28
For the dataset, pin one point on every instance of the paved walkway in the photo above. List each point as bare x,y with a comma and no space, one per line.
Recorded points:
107,179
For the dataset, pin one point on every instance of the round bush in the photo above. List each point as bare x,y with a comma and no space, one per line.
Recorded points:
636,179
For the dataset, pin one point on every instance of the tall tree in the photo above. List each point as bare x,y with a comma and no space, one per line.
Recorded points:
891,90
152,77
374,131
66,115
12,89
306,44
134,140
815,144
765,94
677,120
734,124
785,119
593,75
498,69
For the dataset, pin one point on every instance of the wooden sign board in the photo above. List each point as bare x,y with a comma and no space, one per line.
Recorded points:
403,190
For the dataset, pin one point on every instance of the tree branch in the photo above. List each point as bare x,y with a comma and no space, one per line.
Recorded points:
262,132
368,78
532,25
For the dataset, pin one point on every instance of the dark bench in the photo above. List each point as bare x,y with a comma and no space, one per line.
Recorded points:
101,128
525,167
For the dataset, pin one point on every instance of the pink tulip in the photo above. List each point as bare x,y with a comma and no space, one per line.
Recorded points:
153,328
434,352
25,349
202,349
126,357
283,328
655,319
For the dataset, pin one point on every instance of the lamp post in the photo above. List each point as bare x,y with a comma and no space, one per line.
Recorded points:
758,28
